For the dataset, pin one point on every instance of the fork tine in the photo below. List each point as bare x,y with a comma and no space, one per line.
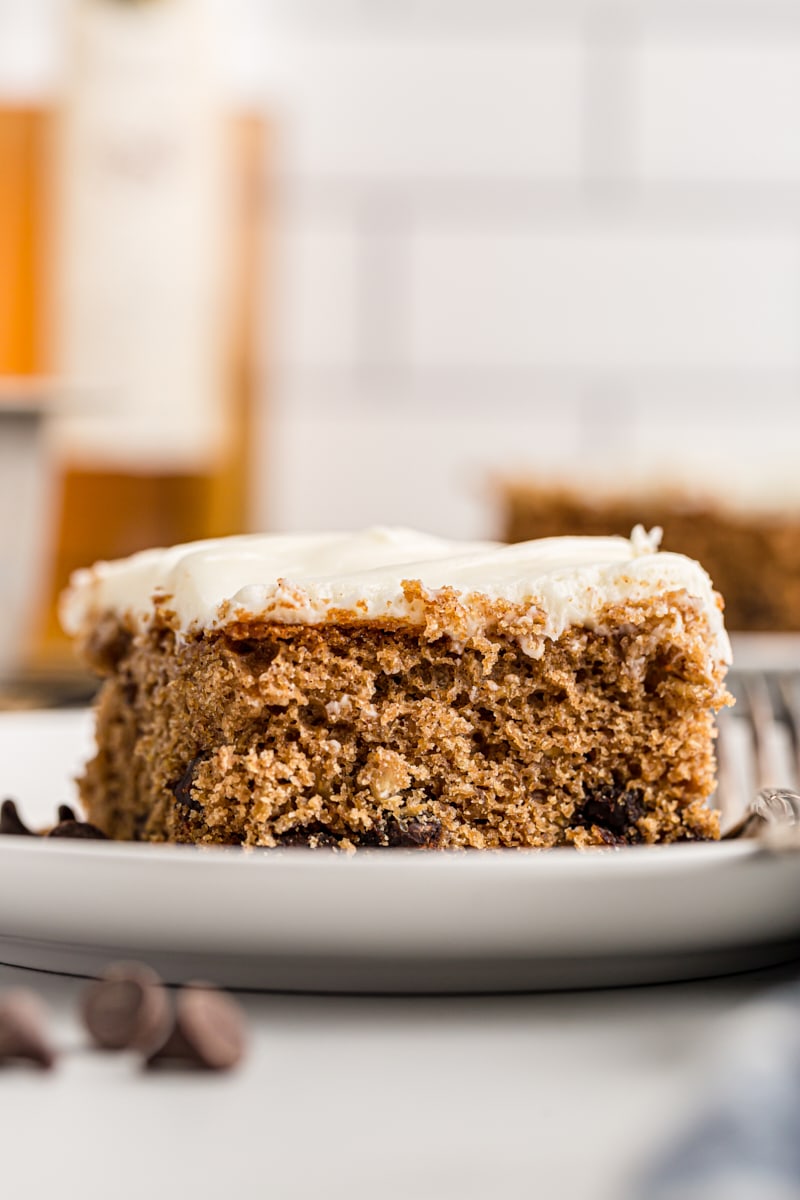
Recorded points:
762,723
729,798
788,692
762,740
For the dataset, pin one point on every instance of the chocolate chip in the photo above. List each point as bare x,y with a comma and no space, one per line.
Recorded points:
182,790
423,831
23,1033
68,825
690,835
610,839
77,829
11,823
614,810
208,1033
315,835
418,831
126,1008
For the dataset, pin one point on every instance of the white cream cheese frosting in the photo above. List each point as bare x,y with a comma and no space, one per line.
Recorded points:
307,578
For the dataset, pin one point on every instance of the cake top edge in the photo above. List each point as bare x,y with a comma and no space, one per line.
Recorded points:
306,577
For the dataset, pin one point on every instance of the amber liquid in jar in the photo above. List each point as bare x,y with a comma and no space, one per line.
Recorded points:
24,134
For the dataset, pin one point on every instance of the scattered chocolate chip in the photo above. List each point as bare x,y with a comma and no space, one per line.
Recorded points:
77,829
68,824
209,1031
11,823
126,1008
613,810
23,1034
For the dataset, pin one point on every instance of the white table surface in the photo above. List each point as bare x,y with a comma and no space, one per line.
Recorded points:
560,1095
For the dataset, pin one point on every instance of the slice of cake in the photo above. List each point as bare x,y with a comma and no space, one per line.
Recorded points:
393,689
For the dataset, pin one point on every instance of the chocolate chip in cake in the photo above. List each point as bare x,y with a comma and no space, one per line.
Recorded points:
23,1030
614,811
422,831
126,1008
11,823
315,836
610,839
77,829
692,835
209,1031
182,790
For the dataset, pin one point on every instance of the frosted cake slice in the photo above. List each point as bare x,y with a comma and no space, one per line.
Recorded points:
389,688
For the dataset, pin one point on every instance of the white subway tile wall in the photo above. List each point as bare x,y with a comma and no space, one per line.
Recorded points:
602,295
519,233
727,109
536,234
389,453
316,307
376,107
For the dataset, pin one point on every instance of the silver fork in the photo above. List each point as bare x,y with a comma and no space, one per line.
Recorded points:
758,751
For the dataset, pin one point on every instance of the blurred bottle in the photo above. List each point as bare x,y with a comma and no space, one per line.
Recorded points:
25,125
23,128
25,71
157,199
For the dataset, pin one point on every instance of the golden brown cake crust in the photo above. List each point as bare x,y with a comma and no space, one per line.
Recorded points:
275,734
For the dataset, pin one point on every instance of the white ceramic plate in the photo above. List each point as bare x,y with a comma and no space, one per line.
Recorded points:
381,920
